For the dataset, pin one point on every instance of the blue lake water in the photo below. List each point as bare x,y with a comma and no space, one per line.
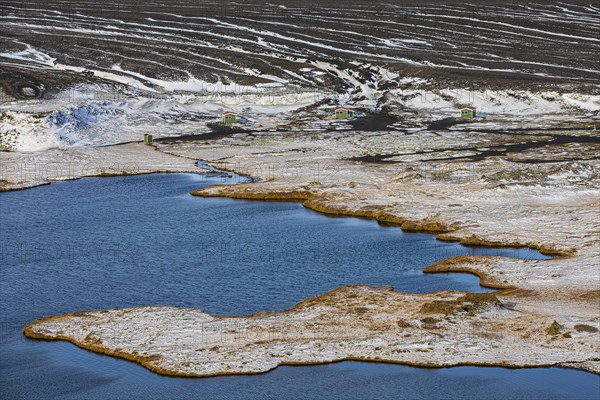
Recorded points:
143,240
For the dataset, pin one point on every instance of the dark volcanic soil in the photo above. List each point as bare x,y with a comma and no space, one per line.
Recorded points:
491,44
513,150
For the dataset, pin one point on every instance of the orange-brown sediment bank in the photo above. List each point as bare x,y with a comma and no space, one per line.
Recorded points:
545,313
350,323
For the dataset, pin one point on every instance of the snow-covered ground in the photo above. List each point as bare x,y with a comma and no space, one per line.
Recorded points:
546,312
75,76
98,115
79,75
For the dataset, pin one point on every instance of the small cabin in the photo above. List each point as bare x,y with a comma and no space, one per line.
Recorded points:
148,138
469,112
229,117
344,113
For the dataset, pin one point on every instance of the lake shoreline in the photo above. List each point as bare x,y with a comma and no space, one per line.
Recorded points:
551,305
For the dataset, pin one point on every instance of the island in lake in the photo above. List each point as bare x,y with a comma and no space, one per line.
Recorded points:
289,184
